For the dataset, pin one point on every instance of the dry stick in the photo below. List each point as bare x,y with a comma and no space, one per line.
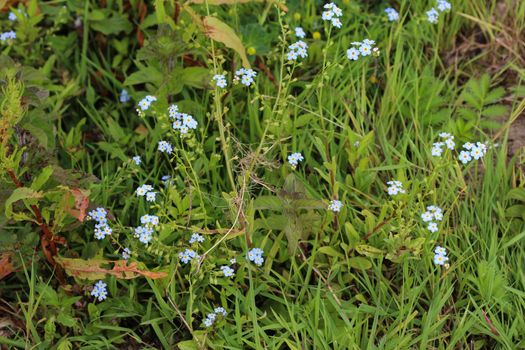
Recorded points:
180,314
47,239
318,273
378,227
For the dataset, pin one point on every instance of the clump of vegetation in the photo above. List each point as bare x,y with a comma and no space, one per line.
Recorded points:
282,175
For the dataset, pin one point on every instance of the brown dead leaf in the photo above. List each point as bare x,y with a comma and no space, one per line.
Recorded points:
6,267
219,31
81,203
93,269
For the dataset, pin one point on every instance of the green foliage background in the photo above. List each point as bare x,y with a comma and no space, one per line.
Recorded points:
360,279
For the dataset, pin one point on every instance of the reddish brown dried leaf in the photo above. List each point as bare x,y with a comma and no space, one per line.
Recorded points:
94,269
6,267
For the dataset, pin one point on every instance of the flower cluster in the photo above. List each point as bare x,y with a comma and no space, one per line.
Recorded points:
99,291
294,159
220,80
126,254
433,14
255,255
145,103
298,49
433,213
165,147
124,96
392,14
335,206
246,76
146,190
299,32
227,271
437,147
472,151
166,179
101,228
196,238
362,48
332,13
444,5
181,121
187,255
7,35
137,160
13,17
440,256
211,317
145,232
395,187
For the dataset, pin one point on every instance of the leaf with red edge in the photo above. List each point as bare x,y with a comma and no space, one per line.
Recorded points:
81,203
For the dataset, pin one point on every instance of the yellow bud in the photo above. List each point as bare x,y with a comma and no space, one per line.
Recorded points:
251,50
373,79
317,35
346,2
297,16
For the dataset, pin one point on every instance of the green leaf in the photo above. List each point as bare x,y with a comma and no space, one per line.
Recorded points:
112,25
113,149
162,17
307,203
293,232
50,329
517,193
273,222
145,75
358,262
66,320
22,193
65,345
116,132
188,345
495,95
330,251
196,77
494,111
515,211
467,113
268,202
370,251
42,178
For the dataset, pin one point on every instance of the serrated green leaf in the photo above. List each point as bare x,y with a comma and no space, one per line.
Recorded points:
495,95
467,113
66,320
494,111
